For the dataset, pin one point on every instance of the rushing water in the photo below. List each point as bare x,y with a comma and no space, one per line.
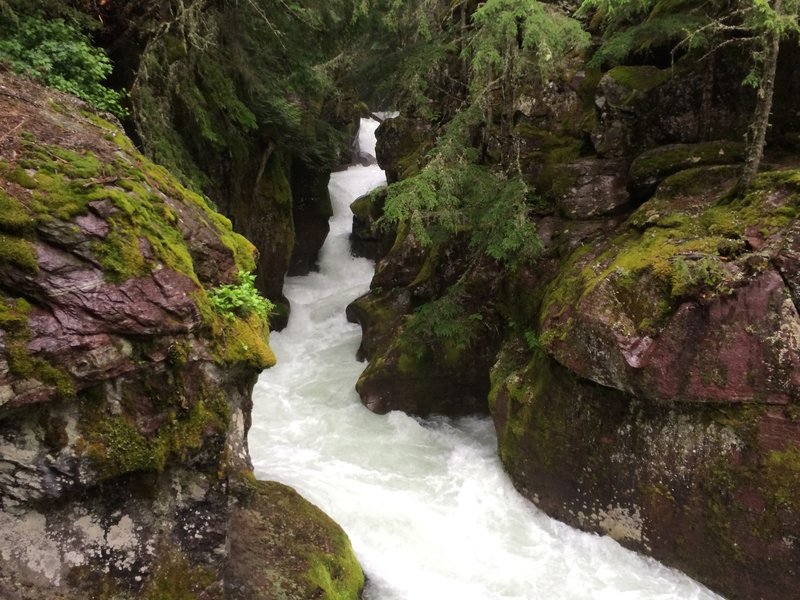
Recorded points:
427,506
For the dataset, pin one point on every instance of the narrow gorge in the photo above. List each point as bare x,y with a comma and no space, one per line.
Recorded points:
426,503
547,347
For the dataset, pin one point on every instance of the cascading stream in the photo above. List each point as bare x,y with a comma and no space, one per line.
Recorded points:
427,506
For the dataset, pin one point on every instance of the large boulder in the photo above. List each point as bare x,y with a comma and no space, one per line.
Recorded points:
679,307
370,237
401,146
283,544
311,211
430,330
657,401
641,107
124,388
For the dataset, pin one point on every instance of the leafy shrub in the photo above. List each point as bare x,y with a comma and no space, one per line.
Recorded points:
241,299
59,54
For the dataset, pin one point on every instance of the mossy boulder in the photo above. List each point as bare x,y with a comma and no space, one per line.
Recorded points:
656,398
311,210
679,306
282,546
402,145
430,330
124,392
651,167
642,107
370,238
707,488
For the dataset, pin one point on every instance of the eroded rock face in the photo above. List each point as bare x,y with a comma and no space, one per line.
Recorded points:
124,397
659,405
413,367
641,107
707,488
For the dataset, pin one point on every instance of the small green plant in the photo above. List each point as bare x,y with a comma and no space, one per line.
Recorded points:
241,299
693,277
59,54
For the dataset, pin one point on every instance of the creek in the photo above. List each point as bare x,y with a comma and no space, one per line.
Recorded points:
426,503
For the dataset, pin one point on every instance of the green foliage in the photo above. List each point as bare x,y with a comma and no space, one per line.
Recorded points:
504,229
513,37
61,55
241,299
634,27
444,199
221,74
682,30
444,323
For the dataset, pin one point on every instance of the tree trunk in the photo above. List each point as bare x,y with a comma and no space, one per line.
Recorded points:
758,129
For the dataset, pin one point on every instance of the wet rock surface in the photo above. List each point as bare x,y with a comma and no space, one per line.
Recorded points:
124,397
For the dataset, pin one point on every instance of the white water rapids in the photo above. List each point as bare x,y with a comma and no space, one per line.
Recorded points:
427,506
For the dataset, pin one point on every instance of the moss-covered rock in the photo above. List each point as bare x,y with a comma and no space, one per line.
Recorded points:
311,210
679,306
401,146
433,359
282,546
653,166
655,399
642,107
124,395
369,237
706,488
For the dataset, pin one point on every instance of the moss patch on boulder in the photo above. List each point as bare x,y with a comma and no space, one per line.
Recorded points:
282,546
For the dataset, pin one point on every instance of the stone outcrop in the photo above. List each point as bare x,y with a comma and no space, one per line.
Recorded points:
658,403
415,367
645,384
124,393
370,238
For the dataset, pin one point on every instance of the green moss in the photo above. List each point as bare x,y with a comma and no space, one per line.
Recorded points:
21,177
681,243
19,253
692,277
21,363
65,182
244,341
782,471
175,578
178,354
665,160
116,446
550,151
112,132
338,575
13,216
310,553
565,289
640,79
537,419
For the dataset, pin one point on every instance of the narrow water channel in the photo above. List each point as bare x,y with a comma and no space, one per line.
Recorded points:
427,506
